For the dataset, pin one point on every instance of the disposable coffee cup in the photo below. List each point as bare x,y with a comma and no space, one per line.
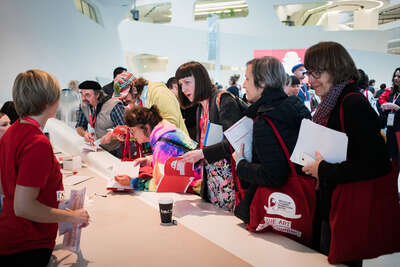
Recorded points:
166,205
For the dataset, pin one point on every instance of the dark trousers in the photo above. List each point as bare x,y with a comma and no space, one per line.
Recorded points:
38,258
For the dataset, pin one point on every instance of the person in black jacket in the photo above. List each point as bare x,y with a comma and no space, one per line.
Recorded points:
265,79
195,87
333,75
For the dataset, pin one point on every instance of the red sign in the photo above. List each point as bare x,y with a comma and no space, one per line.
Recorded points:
288,57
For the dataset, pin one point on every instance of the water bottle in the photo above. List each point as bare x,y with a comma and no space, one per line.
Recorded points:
69,103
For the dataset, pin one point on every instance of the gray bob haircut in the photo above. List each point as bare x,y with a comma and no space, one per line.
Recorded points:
268,72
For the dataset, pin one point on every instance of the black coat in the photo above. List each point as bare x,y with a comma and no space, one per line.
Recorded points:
367,157
227,114
270,166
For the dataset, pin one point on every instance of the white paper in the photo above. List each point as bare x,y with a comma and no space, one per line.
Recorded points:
331,144
241,133
127,168
214,134
89,147
72,237
123,167
75,179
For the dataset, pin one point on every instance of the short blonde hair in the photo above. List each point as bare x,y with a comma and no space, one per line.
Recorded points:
73,84
34,91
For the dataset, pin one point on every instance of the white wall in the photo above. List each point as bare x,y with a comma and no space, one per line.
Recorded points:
183,40
54,36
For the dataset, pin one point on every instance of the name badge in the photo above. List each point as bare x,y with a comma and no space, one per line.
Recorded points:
90,129
308,105
390,119
60,196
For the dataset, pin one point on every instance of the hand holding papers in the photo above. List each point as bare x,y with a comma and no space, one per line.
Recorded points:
241,133
313,137
123,167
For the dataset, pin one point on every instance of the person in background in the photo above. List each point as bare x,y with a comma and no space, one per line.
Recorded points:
172,85
371,86
31,179
146,94
381,90
333,75
97,113
109,88
189,113
147,125
74,86
391,118
9,109
299,71
265,78
233,87
362,84
4,123
195,87
292,85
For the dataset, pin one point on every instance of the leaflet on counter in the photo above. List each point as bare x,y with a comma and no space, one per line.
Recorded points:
241,133
123,167
331,144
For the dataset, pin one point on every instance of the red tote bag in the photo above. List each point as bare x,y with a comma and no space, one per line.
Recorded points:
364,217
288,210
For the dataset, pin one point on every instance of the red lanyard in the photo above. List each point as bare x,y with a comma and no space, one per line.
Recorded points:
395,98
140,102
304,93
203,124
92,121
32,121
366,93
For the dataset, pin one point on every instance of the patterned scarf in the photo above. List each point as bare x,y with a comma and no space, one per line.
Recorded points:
324,109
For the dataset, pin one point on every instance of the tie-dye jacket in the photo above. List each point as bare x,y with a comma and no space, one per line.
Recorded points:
162,150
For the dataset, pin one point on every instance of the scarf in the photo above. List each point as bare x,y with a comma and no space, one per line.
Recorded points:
324,109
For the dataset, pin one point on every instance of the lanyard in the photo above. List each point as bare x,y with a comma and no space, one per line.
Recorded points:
140,101
92,121
366,93
304,93
395,98
203,124
32,121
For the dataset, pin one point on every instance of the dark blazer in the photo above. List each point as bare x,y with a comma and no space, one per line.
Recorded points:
269,166
228,113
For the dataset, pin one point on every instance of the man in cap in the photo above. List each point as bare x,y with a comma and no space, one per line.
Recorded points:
145,93
97,113
299,71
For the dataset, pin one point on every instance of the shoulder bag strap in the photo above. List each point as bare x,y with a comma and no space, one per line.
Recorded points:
185,148
283,145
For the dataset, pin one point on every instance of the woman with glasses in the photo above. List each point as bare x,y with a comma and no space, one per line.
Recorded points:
333,75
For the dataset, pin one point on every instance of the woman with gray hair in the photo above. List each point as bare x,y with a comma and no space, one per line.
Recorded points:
265,78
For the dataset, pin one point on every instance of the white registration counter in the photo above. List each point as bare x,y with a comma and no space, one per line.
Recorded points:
126,229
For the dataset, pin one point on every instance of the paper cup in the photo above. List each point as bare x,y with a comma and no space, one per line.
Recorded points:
166,205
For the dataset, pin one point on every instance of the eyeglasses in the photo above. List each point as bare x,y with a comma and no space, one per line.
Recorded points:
315,74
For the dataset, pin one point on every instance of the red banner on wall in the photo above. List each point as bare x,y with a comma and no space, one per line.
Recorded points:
288,57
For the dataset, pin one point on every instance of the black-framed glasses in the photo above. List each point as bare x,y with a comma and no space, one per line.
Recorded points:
315,74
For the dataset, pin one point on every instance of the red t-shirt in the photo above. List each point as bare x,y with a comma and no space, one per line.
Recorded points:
27,159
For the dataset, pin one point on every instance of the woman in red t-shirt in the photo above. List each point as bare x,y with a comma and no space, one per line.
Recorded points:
30,176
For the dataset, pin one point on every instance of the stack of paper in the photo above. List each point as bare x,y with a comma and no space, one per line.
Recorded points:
241,133
331,144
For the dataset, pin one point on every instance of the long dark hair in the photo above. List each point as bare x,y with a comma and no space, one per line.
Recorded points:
203,84
395,88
